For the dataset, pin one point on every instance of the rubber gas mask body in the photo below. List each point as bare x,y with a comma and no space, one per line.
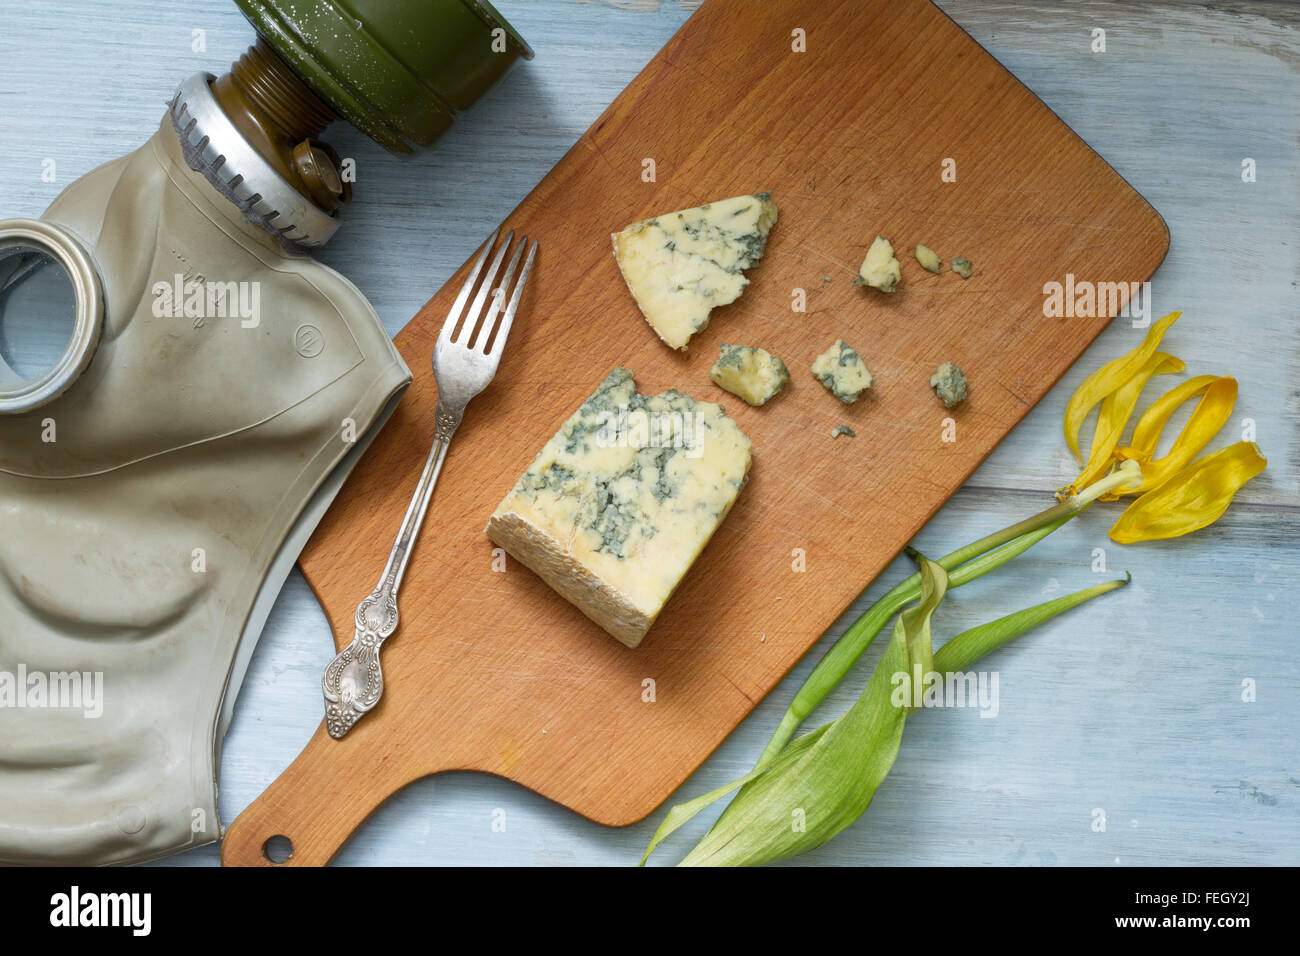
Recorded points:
158,481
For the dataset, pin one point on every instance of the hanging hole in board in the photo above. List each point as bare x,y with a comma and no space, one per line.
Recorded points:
278,849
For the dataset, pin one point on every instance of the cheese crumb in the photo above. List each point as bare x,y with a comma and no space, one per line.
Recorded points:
880,270
949,383
749,373
929,259
842,371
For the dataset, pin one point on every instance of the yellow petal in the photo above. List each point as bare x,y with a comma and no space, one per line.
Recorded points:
1211,413
1191,499
1146,435
1107,379
1116,408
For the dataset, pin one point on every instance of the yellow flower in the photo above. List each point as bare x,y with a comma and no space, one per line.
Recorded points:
1175,494
1191,499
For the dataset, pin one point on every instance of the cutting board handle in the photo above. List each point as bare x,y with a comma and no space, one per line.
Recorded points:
317,803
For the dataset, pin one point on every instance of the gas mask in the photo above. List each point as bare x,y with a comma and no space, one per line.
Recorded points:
158,481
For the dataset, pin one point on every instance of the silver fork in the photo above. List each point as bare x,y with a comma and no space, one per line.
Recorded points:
464,362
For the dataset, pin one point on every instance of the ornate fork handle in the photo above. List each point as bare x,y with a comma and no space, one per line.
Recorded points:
354,681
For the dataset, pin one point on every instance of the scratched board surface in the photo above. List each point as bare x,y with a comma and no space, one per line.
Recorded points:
494,672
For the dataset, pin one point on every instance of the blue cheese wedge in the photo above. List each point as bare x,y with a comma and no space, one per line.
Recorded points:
618,505
949,383
680,266
749,373
880,270
842,371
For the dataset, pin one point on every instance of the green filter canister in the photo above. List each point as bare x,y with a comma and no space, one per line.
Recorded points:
396,69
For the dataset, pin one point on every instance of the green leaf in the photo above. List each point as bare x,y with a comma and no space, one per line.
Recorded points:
969,646
680,814
812,792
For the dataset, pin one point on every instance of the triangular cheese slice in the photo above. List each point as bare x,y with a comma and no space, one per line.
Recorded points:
680,266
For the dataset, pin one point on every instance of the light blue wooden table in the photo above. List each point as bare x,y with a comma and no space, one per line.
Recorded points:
1131,707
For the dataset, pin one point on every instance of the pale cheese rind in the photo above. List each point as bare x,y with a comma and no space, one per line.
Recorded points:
617,506
682,265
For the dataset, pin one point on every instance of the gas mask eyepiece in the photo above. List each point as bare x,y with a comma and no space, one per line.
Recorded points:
29,248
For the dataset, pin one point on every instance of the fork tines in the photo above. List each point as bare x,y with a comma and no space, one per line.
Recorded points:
482,332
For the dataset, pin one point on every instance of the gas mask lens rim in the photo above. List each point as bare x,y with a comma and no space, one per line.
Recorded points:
35,235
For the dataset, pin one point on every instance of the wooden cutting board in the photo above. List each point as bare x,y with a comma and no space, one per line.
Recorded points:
494,672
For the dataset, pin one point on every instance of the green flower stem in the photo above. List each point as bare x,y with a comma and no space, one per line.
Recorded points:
963,566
